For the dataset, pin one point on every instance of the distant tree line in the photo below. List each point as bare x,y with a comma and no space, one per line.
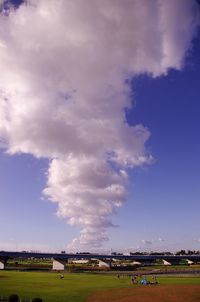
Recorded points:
16,298
188,252
178,253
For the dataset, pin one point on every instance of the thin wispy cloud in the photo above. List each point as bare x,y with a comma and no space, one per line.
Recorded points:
64,90
24,246
147,241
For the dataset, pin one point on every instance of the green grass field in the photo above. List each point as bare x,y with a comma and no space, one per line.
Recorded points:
73,288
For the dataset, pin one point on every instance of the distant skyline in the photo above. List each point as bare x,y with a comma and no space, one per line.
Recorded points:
99,113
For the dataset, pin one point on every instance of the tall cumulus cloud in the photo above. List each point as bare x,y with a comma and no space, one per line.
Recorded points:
64,87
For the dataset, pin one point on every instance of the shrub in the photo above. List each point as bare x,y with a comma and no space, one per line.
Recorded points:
37,300
13,298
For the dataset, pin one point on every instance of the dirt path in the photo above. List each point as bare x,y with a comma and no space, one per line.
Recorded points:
157,293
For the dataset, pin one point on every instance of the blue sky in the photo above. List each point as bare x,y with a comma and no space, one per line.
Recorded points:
166,194
162,209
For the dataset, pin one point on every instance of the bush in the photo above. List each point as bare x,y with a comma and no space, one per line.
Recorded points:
13,298
37,300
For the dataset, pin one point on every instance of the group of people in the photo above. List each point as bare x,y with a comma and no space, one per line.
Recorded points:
143,280
137,279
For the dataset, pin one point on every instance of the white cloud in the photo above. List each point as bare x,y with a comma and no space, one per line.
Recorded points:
147,241
18,247
63,94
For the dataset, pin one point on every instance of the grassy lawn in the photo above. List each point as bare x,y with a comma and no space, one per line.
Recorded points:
73,288
170,267
179,280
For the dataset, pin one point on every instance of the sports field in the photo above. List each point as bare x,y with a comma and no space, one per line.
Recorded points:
97,287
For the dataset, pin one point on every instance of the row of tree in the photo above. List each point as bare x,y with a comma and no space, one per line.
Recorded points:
15,298
178,253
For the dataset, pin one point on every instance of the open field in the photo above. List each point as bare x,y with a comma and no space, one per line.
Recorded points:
95,287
